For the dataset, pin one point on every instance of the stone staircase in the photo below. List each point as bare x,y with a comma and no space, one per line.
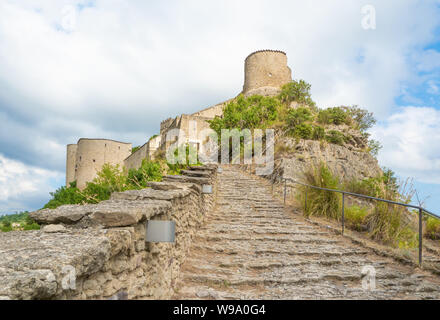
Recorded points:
251,247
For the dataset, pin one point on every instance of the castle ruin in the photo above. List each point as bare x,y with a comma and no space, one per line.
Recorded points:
265,72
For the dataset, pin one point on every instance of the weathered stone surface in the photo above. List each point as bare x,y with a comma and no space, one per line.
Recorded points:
196,173
54,228
104,246
68,214
173,185
113,213
345,163
121,213
197,180
252,248
151,194
32,263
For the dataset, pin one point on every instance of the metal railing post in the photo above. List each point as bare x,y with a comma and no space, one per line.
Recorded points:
343,213
305,203
420,236
285,190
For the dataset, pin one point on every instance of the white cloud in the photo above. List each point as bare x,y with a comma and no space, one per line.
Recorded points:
433,87
22,187
411,143
429,60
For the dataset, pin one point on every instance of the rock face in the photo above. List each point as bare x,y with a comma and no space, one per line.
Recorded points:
347,163
251,247
99,251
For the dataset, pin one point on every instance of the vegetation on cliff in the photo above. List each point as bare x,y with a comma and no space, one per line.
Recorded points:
113,178
110,179
385,222
293,113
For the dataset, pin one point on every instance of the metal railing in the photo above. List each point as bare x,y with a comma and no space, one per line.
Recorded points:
344,193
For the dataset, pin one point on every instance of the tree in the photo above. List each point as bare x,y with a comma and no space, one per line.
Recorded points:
298,91
364,119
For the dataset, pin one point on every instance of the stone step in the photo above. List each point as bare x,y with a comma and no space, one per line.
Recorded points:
251,247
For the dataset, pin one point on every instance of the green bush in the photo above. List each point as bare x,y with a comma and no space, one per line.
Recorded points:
355,217
432,228
363,119
298,116
110,179
176,168
133,150
6,229
65,195
6,223
149,171
32,226
408,238
303,131
369,187
255,112
335,116
382,186
335,137
318,133
298,91
374,147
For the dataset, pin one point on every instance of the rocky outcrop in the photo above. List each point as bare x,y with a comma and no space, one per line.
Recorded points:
345,162
99,251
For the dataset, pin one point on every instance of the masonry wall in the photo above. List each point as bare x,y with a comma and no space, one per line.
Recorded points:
92,154
213,111
105,246
265,72
134,161
71,163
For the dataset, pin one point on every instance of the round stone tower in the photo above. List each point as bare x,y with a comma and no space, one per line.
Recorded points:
71,163
265,72
86,158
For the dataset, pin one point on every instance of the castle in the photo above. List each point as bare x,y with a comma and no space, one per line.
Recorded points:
265,72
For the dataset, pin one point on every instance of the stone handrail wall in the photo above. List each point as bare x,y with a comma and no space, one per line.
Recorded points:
99,251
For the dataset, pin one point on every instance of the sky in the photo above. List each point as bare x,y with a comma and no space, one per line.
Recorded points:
114,69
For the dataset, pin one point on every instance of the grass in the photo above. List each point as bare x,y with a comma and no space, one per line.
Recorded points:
320,203
432,228
355,217
386,223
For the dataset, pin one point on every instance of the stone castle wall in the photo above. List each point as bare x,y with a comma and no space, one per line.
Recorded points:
92,154
213,111
71,163
265,72
134,161
99,251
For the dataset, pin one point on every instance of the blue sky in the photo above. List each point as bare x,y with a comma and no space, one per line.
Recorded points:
114,69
